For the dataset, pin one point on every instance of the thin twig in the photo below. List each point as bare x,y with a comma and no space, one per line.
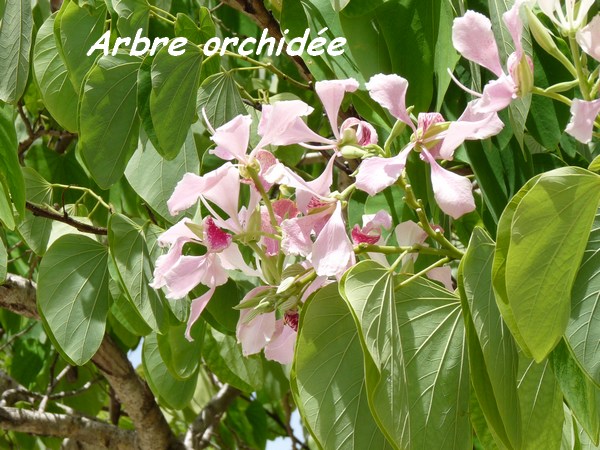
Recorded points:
47,213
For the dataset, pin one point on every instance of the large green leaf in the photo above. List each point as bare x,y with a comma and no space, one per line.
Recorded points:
108,120
73,297
181,356
432,334
328,376
223,356
582,330
15,44
174,393
133,15
60,98
580,393
220,97
175,81
131,256
368,288
78,29
297,16
548,234
156,190
493,356
10,170
541,406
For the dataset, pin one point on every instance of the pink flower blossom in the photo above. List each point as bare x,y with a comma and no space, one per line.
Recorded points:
365,132
432,139
473,37
589,38
370,233
583,115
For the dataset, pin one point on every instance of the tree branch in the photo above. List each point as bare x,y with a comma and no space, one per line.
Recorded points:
255,9
62,425
65,218
209,416
17,294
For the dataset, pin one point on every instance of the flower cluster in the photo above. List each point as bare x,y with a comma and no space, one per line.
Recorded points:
291,236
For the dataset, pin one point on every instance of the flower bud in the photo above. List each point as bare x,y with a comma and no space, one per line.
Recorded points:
522,73
544,38
352,152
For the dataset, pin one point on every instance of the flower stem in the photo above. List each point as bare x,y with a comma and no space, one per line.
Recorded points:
583,84
392,250
438,263
417,205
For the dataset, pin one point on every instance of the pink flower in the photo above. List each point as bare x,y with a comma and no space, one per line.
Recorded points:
583,115
567,21
221,187
370,233
281,124
179,273
283,209
434,138
589,38
276,337
365,133
473,37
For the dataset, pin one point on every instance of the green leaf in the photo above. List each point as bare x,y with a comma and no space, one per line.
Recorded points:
582,329
338,5
10,169
73,297
170,391
445,56
368,288
78,29
580,393
328,376
493,355
108,121
541,406
156,190
432,334
175,81
130,253
60,98
548,235
223,356
133,15
36,231
220,97
15,44
181,357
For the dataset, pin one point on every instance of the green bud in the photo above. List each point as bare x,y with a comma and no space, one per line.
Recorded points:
352,152
544,38
524,75
348,137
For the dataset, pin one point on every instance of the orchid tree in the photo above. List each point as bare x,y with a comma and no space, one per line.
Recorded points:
397,244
